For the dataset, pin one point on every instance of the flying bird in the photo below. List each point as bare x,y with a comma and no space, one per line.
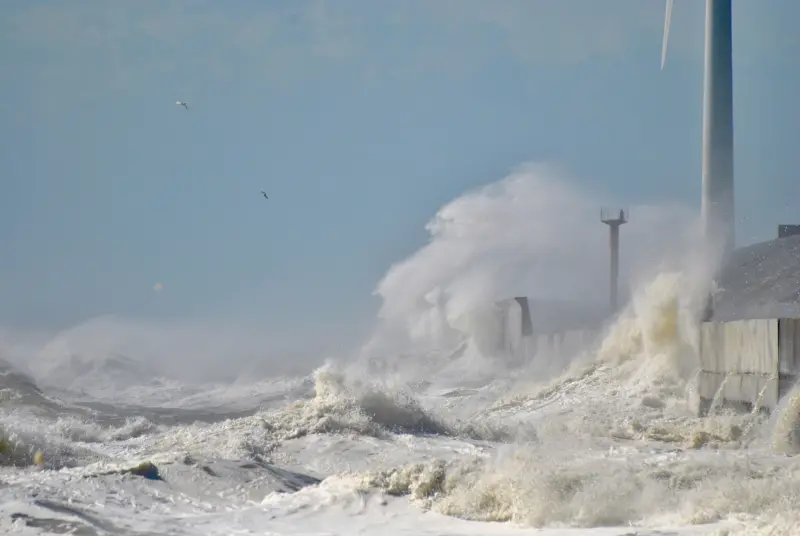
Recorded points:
181,103
264,194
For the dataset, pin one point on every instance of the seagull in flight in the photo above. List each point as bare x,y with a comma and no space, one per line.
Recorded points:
264,194
181,103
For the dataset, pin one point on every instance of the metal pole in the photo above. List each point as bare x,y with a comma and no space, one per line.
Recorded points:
614,273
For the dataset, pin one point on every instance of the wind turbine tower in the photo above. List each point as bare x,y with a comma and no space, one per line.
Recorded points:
717,197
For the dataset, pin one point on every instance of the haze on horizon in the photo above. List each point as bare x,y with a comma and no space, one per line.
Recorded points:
361,121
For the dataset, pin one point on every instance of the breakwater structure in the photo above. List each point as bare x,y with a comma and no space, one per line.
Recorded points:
530,329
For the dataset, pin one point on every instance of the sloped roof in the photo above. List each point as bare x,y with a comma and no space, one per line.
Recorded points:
761,281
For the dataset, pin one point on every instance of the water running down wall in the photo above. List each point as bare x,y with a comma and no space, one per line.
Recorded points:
748,362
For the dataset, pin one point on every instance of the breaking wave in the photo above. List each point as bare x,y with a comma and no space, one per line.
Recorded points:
369,410
586,467
531,234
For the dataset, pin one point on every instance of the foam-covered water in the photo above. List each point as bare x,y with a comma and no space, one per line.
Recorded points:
424,432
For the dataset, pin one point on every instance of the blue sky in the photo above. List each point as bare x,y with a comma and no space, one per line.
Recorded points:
360,118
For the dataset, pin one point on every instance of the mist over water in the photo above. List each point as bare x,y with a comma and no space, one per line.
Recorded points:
191,350
535,233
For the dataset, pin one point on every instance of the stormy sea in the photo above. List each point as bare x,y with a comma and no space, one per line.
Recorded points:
428,427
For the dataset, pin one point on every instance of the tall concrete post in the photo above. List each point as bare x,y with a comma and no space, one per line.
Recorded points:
717,200
613,221
717,195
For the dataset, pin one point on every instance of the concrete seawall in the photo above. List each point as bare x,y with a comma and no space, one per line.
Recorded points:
747,363
743,363
526,331
564,345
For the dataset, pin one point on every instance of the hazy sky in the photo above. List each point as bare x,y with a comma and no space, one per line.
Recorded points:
359,118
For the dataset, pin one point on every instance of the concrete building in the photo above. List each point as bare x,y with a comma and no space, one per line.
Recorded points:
750,348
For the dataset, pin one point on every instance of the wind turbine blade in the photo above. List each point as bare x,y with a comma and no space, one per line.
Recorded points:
667,18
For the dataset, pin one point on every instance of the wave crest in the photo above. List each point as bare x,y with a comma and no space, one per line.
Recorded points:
364,409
